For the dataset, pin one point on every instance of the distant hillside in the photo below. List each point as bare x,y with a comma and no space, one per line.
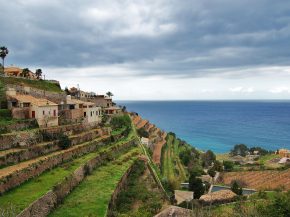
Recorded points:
39,84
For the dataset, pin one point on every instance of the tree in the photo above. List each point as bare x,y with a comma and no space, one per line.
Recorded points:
38,73
218,166
208,158
228,165
109,94
211,172
66,91
3,53
25,72
239,149
196,185
236,188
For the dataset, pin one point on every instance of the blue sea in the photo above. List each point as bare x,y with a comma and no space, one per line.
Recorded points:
219,125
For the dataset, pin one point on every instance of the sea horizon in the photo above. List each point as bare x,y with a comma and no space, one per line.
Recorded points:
263,123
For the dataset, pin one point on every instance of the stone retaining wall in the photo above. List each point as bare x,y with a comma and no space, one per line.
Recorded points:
34,169
44,205
46,148
8,141
121,184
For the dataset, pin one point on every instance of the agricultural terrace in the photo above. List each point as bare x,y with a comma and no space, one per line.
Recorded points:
172,168
260,180
141,195
38,84
92,196
38,186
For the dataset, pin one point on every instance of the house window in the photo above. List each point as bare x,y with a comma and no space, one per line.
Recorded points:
54,113
91,114
43,112
85,114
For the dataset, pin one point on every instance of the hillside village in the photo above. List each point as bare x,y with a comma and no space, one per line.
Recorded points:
60,148
53,109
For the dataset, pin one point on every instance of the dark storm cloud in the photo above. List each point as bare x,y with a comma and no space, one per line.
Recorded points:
178,38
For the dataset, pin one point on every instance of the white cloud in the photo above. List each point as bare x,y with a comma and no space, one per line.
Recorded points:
278,90
242,89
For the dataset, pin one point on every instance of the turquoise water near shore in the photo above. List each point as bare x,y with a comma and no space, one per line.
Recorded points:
219,125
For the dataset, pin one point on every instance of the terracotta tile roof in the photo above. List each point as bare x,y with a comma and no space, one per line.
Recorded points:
76,101
33,100
218,196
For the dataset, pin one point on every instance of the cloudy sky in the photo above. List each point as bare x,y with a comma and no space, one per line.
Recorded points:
155,49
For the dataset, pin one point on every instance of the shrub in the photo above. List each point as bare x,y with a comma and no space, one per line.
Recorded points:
196,185
236,188
228,165
142,132
63,141
5,113
118,122
239,149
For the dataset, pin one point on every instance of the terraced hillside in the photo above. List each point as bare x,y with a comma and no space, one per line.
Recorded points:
172,168
38,84
156,137
140,196
261,180
43,174
92,196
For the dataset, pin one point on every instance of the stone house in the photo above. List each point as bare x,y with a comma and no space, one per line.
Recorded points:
13,71
28,107
112,110
284,153
78,110
102,101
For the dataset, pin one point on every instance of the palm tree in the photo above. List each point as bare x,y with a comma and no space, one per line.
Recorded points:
3,53
25,72
109,94
38,73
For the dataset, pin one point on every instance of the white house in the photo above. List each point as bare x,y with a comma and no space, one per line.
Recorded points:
25,106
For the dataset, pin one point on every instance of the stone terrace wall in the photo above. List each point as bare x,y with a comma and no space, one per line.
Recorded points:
44,205
38,150
121,184
20,113
34,169
52,96
7,141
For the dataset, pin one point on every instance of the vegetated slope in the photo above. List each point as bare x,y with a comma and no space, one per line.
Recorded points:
38,84
172,168
269,179
141,195
262,204
38,186
155,135
92,196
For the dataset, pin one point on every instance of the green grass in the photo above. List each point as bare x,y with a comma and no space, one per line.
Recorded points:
25,194
36,187
39,84
92,196
265,158
172,168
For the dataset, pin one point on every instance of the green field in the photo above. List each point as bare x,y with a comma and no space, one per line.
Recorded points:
25,194
39,84
172,168
92,196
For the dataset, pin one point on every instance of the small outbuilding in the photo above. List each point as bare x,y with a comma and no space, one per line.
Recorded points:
218,197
